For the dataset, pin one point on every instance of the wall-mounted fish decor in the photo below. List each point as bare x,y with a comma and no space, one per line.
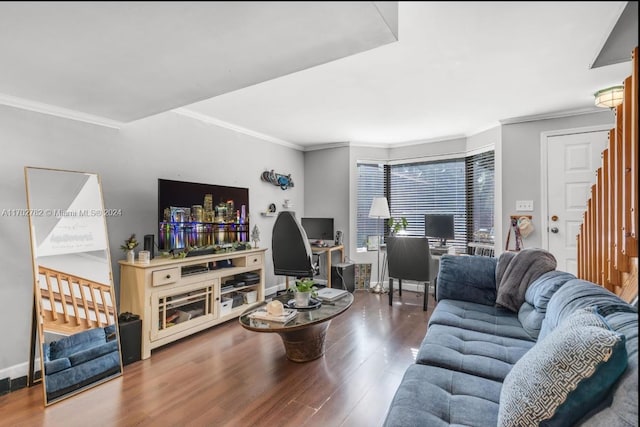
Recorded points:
282,181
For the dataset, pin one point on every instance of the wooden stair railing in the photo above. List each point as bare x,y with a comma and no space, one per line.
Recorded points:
607,241
72,304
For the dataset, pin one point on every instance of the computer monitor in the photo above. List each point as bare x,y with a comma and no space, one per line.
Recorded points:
318,228
439,226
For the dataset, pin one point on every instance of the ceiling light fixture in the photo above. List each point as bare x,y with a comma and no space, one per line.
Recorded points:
610,97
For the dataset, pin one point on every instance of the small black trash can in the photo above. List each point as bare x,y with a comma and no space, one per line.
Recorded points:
130,340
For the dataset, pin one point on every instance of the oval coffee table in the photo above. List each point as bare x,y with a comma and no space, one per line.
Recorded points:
304,335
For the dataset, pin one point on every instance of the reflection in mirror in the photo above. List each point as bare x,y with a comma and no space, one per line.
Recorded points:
77,321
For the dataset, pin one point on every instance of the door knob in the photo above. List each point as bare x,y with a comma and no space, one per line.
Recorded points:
554,230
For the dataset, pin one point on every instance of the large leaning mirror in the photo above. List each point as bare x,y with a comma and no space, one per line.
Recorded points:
74,294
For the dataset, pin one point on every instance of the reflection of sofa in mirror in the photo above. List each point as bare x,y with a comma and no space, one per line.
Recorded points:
80,359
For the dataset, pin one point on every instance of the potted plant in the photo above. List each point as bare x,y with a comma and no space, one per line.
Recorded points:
397,225
129,245
303,290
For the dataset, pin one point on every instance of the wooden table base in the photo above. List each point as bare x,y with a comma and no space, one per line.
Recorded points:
304,345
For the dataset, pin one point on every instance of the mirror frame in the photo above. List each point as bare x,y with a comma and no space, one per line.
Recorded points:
110,313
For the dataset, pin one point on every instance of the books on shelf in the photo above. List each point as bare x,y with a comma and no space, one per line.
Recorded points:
262,314
331,294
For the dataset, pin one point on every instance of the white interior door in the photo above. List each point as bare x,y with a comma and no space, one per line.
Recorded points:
572,161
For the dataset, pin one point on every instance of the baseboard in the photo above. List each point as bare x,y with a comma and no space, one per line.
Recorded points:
15,377
272,290
19,370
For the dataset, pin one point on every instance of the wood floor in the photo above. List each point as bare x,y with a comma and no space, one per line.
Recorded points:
228,376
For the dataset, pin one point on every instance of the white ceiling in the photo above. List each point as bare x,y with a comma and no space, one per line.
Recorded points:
128,60
457,68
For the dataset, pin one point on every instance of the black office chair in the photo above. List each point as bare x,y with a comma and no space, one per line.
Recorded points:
290,248
409,259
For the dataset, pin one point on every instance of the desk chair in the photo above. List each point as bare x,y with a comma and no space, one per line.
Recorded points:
290,248
409,258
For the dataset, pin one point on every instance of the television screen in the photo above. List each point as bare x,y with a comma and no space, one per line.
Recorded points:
318,228
195,215
439,226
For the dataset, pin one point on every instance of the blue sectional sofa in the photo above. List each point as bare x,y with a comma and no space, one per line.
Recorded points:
79,360
484,365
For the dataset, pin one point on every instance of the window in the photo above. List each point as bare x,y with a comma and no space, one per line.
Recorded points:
370,185
432,187
463,187
480,173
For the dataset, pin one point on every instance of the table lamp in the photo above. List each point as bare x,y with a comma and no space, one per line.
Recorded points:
379,210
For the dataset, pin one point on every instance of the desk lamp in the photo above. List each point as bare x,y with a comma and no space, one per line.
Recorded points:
379,210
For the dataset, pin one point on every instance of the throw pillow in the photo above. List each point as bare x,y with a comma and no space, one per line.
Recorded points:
564,375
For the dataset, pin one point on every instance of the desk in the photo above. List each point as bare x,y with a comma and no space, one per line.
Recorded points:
328,251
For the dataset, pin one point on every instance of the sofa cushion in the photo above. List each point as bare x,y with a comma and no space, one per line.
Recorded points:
93,352
620,409
532,312
77,342
57,365
576,294
478,317
564,375
467,278
432,396
476,353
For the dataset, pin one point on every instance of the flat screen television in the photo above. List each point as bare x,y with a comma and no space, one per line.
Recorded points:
195,215
439,226
318,228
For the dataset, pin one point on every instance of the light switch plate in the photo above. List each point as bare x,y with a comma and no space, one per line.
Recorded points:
524,205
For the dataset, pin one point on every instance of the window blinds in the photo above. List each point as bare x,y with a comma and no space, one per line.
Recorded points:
370,185
432,187
480,171
463,187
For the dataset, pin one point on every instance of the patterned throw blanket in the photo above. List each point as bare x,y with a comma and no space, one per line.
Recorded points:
516,271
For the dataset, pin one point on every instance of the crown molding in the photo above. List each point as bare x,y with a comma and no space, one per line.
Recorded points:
52,110
389,145
428,141
220,123
554,115
327,146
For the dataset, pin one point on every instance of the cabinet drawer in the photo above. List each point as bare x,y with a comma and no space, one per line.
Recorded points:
165,277
254,260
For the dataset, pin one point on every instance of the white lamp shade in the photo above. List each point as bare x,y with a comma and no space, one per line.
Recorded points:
379,208
610,97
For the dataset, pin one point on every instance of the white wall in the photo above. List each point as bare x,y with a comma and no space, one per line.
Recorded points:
487,138
326,177
428,150
129,163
